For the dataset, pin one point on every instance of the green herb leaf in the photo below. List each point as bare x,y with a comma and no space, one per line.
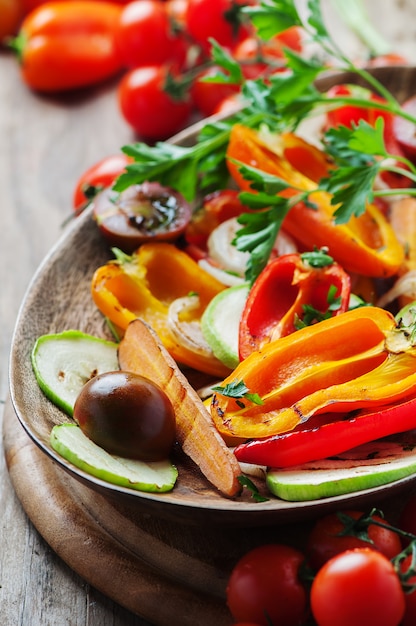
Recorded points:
273,17
317,258
351,189
237,389
255,493
233,72
258,235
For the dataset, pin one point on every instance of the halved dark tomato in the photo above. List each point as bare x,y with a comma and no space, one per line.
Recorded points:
139,214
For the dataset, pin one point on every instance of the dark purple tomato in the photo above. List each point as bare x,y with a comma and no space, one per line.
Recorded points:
127,415
141,213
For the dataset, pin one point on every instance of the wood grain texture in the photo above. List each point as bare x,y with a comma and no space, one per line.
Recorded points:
45,144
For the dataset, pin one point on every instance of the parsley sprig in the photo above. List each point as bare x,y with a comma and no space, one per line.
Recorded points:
238,390
281,103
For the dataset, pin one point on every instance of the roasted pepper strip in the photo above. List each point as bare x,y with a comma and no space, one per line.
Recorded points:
315,443
146,285
366,245
291,291
355,360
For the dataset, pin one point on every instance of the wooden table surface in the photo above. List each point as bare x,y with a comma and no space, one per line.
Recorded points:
45,144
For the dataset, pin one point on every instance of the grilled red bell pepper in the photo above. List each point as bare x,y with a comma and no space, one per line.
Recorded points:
292,291
320,442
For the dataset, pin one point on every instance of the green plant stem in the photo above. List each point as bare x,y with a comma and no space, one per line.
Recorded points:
353,13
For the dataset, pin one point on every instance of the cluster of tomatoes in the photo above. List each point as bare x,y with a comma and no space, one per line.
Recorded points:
160,50
355,568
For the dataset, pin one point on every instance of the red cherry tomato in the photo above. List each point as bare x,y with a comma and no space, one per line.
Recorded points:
405,131
217,207
407,519
217,19
145,36
229,105
357,588
141,213
11,13
97,177
207,96
176,10
262,58
384,60
146,105
265,587
409,618
327,538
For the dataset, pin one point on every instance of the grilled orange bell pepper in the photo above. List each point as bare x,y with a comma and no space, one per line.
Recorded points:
67,45
366,245
359,359
164,287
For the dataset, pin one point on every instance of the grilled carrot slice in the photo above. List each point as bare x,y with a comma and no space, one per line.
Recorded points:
141,352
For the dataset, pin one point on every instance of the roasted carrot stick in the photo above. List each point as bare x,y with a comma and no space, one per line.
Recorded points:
141,352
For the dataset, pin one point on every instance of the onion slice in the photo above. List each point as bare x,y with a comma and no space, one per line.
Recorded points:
188,333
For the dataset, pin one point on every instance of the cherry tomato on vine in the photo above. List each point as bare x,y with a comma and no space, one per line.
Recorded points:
407,518
176,9
207,96
404,130
263,58
329,536
140,213
384,60
145,35
100,175
409,618
148,107
265,587
357,588
217,19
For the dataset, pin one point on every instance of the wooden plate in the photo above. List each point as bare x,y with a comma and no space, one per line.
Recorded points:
58,299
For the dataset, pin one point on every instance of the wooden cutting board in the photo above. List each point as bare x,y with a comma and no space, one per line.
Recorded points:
167,572
170,573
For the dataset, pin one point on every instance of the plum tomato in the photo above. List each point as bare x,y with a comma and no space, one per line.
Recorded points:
330,535
148,106
357,587
265,587
141,213
127,415
145,35
100,175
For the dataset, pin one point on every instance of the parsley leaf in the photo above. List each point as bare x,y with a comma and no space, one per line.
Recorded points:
317,258
245,481
273,17
221,57
237,390
351,189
